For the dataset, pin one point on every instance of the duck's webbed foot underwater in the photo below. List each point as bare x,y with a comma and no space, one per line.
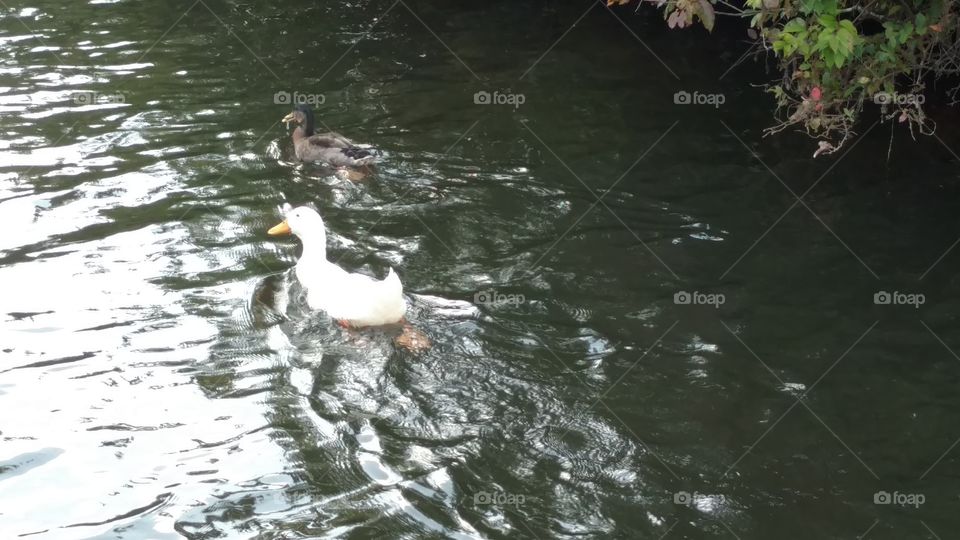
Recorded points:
409,338
412,339
353,175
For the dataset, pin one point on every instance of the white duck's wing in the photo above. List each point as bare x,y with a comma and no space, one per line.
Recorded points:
356,298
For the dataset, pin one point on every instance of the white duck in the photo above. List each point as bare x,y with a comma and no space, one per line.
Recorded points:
352,299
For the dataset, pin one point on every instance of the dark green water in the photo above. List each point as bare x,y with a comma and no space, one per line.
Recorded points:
160,377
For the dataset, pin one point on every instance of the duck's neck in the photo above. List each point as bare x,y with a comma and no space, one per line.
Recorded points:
299,134
314,247
308,124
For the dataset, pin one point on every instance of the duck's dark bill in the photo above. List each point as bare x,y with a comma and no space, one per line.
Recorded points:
279,229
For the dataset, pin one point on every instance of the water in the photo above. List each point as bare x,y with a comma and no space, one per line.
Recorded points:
160,376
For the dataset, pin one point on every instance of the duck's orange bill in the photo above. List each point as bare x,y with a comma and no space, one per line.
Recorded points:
279,229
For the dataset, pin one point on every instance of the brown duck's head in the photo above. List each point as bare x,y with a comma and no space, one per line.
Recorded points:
301,116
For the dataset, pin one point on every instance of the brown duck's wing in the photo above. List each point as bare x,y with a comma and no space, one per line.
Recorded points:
329,150
329,140
347,157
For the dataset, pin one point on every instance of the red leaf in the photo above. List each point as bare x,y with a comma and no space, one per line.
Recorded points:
674,19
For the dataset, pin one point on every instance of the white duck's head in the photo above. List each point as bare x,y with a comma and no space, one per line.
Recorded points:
307,224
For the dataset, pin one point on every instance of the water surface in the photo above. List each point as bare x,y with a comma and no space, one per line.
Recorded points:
161,377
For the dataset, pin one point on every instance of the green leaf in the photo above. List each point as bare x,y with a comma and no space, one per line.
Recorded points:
846,40
795,25
827,56
906,32
835,43
889,31
823,41
788,49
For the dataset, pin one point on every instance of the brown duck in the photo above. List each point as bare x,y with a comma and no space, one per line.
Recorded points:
329,148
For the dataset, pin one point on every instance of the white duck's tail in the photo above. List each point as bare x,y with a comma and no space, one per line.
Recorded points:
392,283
